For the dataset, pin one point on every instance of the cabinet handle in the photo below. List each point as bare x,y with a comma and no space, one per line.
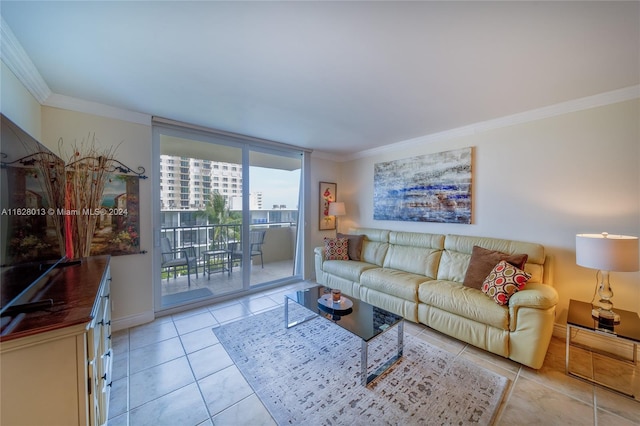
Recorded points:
109,384
101,322
109,337
108,353
109,322
104,377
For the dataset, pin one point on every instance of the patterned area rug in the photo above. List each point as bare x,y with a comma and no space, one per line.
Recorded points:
310,374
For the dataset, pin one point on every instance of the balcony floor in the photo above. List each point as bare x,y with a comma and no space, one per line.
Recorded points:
176,291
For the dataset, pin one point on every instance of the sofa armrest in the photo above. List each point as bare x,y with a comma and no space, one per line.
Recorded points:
528,308
534,295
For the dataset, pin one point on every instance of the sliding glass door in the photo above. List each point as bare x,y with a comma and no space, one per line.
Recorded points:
274,186
227,219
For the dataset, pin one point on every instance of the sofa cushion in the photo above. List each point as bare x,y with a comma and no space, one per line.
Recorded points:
417,239
374,252
374,245
482,262
464,245
394,282
417,260
414,252
453,265
347,269
453,297
355,245
504,280
336,249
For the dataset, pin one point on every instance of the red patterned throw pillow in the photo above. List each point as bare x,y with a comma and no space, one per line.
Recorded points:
336,249
503,281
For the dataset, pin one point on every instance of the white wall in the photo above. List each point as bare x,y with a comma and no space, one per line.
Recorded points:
322,170
543,181
132,285
17,103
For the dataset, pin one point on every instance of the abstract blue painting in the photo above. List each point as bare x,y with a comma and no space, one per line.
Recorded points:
428,188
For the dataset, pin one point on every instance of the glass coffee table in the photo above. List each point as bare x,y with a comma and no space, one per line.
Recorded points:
359,318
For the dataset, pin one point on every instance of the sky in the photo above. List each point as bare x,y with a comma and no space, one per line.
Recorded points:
277,186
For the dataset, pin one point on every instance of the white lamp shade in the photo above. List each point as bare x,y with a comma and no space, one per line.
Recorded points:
336,209
607,252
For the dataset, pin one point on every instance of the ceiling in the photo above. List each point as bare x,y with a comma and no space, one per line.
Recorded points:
337,77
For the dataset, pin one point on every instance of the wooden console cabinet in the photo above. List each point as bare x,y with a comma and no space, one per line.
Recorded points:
55,364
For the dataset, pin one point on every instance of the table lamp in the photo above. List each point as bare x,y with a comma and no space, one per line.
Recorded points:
337,209
607,253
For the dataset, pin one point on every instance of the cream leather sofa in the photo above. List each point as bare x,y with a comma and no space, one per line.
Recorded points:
420,276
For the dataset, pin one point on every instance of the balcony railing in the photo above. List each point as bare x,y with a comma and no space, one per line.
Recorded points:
212,237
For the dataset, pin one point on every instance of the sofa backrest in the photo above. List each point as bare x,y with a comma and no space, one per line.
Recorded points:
444,257
458,248
374,245
415,252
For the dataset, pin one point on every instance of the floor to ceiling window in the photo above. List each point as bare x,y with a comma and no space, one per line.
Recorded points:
227,214
274,181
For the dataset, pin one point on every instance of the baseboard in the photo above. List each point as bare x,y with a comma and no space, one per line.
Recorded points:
560,331
132,320
604,343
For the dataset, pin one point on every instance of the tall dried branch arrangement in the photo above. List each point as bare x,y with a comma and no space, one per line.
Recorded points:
53,173
87,172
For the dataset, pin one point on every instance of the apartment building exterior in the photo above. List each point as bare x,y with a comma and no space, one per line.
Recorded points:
187,183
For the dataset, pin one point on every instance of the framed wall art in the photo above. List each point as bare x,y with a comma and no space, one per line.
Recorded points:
327,195
428,188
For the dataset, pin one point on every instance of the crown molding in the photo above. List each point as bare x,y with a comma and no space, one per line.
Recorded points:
580,104
17,60
102,110
327,156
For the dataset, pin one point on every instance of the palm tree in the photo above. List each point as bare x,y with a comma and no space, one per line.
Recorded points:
217,212
216,208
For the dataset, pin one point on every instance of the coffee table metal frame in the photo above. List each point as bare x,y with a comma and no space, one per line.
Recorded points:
364,349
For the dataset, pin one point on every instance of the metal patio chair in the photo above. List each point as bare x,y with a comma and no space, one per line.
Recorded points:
256,240
178,258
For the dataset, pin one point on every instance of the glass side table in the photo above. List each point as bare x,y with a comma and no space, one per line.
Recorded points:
216,261
606,354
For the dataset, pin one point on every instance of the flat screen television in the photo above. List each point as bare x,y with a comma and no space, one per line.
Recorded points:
32,184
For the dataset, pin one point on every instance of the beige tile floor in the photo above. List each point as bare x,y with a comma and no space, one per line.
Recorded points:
173,371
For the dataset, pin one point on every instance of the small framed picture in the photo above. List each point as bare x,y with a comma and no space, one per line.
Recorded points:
327,195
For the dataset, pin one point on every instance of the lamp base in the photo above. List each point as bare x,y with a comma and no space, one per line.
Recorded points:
605,316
